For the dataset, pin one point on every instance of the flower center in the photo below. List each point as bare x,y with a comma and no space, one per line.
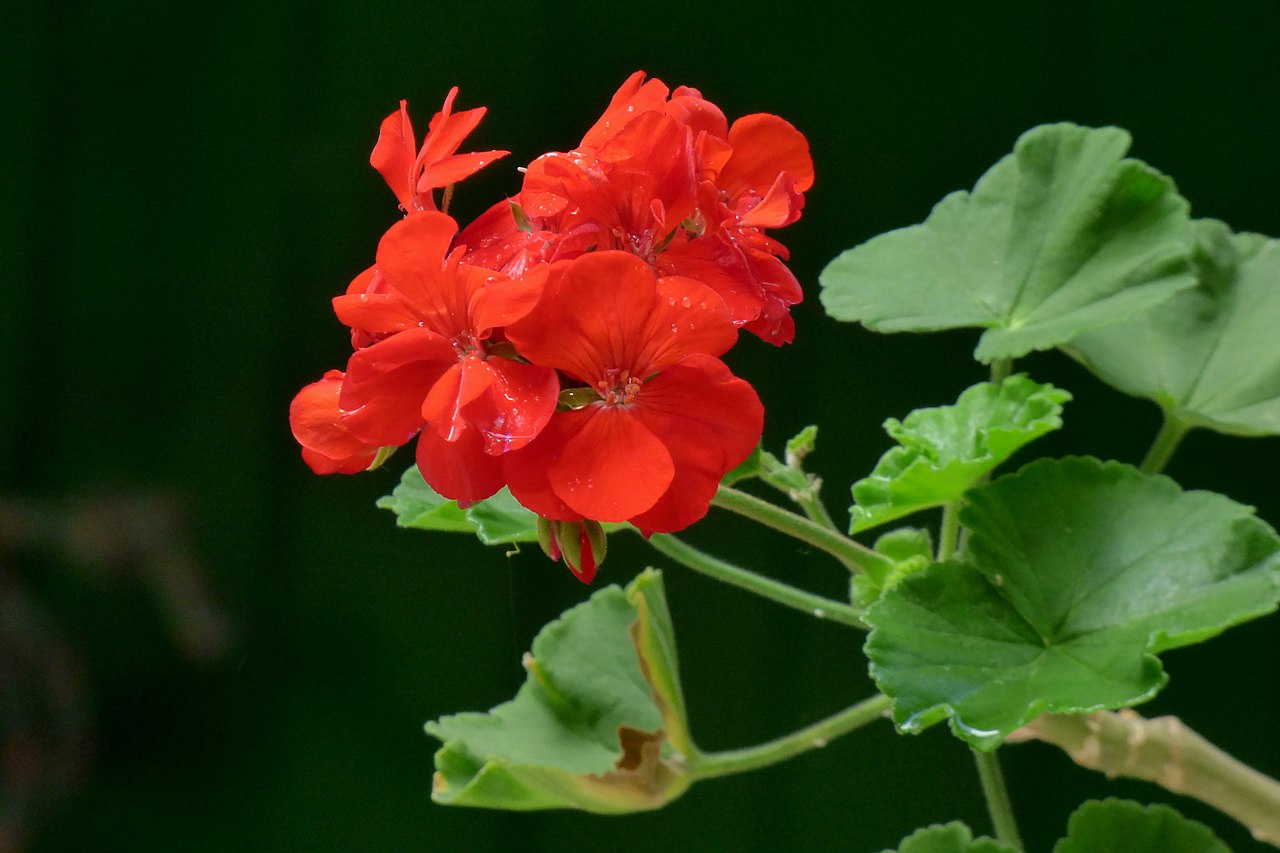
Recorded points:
618,387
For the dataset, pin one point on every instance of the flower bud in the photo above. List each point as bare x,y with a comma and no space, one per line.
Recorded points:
580,544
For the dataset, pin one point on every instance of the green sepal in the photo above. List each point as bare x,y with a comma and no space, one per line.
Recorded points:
1061,236
598,725
952,837
943,451
1104,826
1208,357
1077,573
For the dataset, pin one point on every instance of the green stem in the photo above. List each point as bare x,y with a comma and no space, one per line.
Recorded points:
1000,369
997,795
1167,441
798,527
949,535
802,488
700,561
708,764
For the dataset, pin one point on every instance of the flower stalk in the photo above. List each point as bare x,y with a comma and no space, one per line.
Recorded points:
776,591
798,527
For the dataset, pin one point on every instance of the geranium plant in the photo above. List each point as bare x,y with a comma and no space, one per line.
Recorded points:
558,362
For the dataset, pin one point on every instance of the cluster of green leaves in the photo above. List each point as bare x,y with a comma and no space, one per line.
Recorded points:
1050,589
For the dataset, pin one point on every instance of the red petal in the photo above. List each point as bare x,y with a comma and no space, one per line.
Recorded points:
459,470
689,317
447,132
612,467
386,383
633,97
780,206
393,155
327,446
526,470
375,313
459,385
763,146
608,312
412,256
501,303
456,167
709,420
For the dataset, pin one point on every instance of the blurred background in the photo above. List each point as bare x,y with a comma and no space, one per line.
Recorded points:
204,647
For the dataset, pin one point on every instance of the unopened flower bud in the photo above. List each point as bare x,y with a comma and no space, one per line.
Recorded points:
580,544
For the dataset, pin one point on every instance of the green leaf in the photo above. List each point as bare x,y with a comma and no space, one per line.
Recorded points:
417,505
1208,357
946,450
598,724
501,519
1108,825
1061,236
952,837
910,549
1077,573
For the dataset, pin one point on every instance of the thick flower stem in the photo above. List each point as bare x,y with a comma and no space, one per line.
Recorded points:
1162,449
708,764
798,527
1164,751
700,561
997,796
1000,369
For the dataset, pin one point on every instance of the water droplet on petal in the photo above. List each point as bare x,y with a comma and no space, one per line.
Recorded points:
686,301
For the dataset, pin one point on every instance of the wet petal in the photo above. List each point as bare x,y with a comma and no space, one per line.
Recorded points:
327,446
613,467
763,146
394,154
459,470
709,420
386,382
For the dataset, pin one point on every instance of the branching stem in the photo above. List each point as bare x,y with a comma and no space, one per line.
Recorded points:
709,764
1164,751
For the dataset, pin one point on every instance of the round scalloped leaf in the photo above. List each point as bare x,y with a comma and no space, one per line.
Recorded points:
1061,236
952,837
945,450
598,724
1076,574
1103,826
1208,357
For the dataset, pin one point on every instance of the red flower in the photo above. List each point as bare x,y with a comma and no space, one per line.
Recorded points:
411,173
667,179
664,419
433,361
327,446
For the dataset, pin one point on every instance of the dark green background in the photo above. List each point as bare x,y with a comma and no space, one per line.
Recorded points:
186,186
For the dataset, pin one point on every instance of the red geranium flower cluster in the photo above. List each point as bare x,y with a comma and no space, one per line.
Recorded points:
566,343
